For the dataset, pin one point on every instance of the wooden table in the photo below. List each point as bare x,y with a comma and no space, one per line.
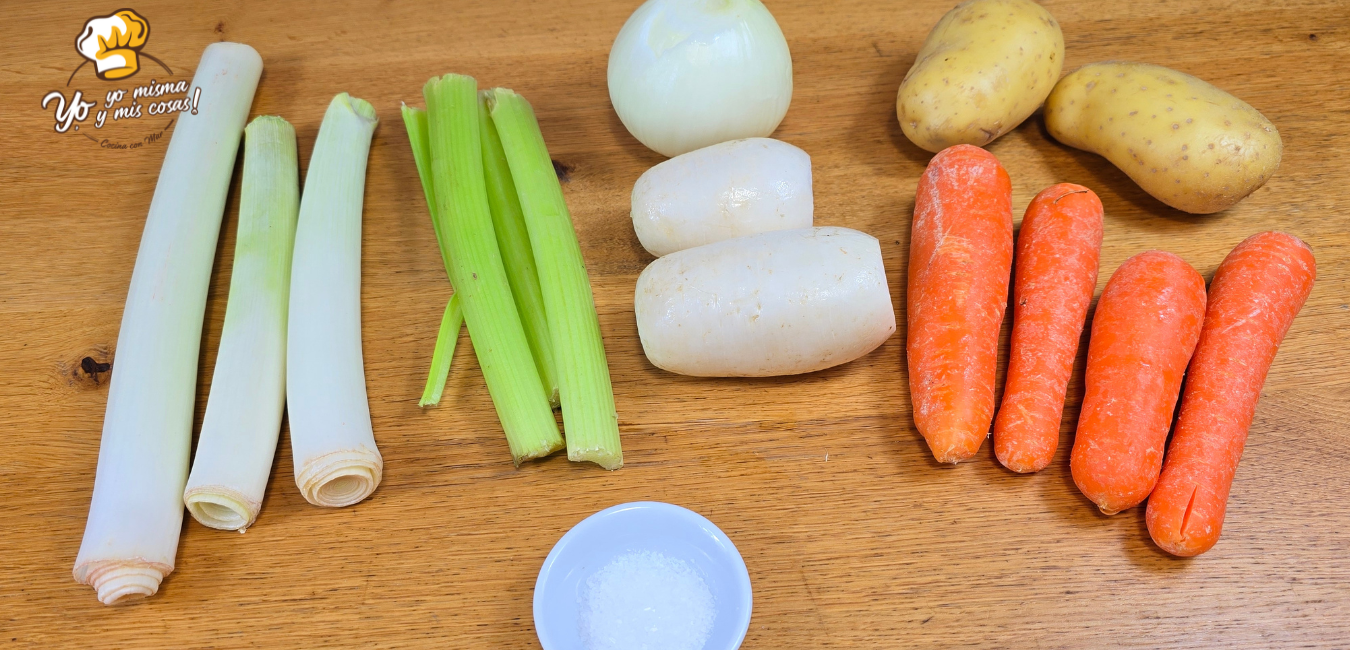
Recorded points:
854,537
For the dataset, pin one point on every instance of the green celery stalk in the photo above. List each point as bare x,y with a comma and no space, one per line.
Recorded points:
415,120
589,417
444,352
477,272
514,242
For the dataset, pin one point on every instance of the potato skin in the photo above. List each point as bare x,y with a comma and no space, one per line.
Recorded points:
986,66
1186,142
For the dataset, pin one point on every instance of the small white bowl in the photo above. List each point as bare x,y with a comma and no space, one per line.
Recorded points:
667,529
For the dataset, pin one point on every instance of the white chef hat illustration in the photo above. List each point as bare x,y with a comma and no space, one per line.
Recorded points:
112,42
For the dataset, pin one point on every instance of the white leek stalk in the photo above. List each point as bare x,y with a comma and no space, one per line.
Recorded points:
131,537
248,388
336,461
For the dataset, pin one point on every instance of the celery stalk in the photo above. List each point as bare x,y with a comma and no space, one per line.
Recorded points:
514,242
589,418
477,271
415,120
444,352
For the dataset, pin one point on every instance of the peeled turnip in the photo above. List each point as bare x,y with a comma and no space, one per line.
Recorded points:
775,303
727,190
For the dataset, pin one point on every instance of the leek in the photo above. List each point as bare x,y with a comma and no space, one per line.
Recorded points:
248,387
415,120
589,418
477,272
136,513
336,460
514,242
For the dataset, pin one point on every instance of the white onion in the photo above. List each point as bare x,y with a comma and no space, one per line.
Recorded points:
685,74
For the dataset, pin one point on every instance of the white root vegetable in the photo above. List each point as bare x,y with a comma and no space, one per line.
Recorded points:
336,461
723,191
776,303
131,537
685,74
248,388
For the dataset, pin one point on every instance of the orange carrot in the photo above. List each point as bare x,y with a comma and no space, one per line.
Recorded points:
1057,251
1255,295
959,260
1145,329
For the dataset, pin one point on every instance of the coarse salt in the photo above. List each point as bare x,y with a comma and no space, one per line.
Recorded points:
646,601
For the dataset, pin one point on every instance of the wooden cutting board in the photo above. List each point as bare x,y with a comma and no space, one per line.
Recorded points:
854,537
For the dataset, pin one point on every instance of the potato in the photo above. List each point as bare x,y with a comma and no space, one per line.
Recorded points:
776,303
732,189
986,66
1189,144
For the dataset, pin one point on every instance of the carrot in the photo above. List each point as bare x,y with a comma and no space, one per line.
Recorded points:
1145,329
1057,251
1256,293
959,262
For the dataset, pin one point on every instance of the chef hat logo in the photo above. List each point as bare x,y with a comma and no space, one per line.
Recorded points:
113,43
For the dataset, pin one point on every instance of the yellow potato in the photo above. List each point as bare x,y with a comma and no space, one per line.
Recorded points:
986,66
1189,144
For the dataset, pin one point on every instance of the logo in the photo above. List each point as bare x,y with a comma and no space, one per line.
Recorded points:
115,44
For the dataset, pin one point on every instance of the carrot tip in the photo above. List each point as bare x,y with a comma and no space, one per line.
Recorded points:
953,457
1023,463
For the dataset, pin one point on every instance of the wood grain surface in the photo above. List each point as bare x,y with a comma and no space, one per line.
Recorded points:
853,536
